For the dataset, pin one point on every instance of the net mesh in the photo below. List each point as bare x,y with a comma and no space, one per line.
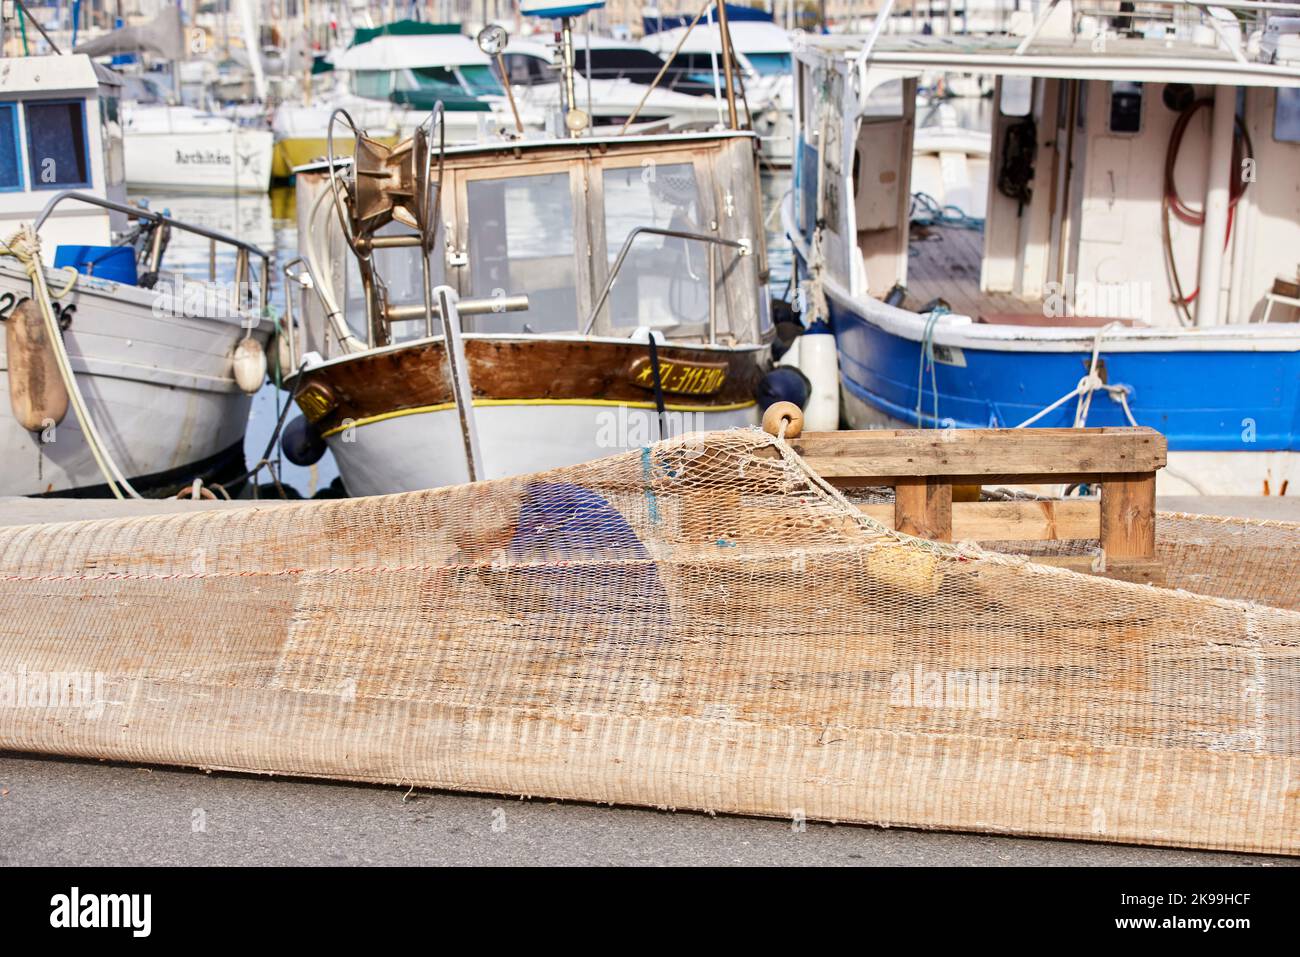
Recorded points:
699,624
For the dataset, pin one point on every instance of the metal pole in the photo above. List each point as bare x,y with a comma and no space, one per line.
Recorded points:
724,33
464,397
1218,187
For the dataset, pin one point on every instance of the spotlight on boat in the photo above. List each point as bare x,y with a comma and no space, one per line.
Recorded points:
492,39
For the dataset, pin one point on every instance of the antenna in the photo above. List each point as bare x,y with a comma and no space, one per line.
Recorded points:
575,120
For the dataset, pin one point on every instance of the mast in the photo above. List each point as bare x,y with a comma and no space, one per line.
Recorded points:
724,32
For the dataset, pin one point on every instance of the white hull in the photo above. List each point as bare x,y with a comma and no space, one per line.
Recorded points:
237,160
158,388
424,449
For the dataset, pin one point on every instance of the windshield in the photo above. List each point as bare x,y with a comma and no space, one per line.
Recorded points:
769,64
640,66
437,78
480,80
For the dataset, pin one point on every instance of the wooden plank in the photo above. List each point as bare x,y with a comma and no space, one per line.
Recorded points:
1143,571
975,453
923,507
1128,517
1020,521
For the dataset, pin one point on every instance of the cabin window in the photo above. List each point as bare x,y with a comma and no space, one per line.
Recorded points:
521,241
1286,116
523,70
1125,107
56,144
640,66
436,78
372,84
1017,97
481,80
664,282
11,175
769,64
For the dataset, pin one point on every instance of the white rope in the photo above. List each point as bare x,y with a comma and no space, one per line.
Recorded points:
1085,388
25,246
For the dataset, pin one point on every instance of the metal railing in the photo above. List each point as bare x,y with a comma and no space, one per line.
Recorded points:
740,244
243,251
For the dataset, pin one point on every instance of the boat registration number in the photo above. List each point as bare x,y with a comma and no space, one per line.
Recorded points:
683,378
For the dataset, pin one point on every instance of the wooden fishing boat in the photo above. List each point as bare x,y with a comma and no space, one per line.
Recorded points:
612,289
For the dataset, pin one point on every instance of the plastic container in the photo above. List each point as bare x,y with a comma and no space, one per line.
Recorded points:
114,263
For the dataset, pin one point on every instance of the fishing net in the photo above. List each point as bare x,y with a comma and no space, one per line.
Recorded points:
700,624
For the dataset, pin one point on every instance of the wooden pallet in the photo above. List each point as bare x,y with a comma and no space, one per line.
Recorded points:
923,466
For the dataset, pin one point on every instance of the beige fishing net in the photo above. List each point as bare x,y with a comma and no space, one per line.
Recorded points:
702,624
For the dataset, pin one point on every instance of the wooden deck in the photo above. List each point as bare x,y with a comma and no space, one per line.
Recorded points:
944,263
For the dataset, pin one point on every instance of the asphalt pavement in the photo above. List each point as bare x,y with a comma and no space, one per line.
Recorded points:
60,811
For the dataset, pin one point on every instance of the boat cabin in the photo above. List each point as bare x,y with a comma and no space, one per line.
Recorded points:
420,70
60,129
1140,171
552,220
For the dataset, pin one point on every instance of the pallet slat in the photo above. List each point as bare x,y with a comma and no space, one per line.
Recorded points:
1026,521
971,453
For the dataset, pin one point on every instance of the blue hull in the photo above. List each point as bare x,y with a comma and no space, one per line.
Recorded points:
1202,401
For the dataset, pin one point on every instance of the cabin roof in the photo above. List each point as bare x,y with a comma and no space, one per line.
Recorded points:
586,142
747,36
390,52
1138,60
70,73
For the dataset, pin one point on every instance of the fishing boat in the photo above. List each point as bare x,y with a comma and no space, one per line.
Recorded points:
388,80
121,376
486,310
1137,259
762,53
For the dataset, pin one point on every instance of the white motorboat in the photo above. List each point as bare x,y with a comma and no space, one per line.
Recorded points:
762,51
388,81
615,88
161,367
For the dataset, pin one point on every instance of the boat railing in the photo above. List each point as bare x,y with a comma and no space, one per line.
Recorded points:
742,245
1253,12
244,252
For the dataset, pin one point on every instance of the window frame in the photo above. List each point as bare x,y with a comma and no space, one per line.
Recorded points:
601,265
15,131
80,102
461,276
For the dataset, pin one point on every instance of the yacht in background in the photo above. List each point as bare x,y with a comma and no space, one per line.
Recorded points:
617,83
763,52
183,149
388,80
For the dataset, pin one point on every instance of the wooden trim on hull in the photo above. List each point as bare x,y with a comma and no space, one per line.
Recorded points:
372,387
